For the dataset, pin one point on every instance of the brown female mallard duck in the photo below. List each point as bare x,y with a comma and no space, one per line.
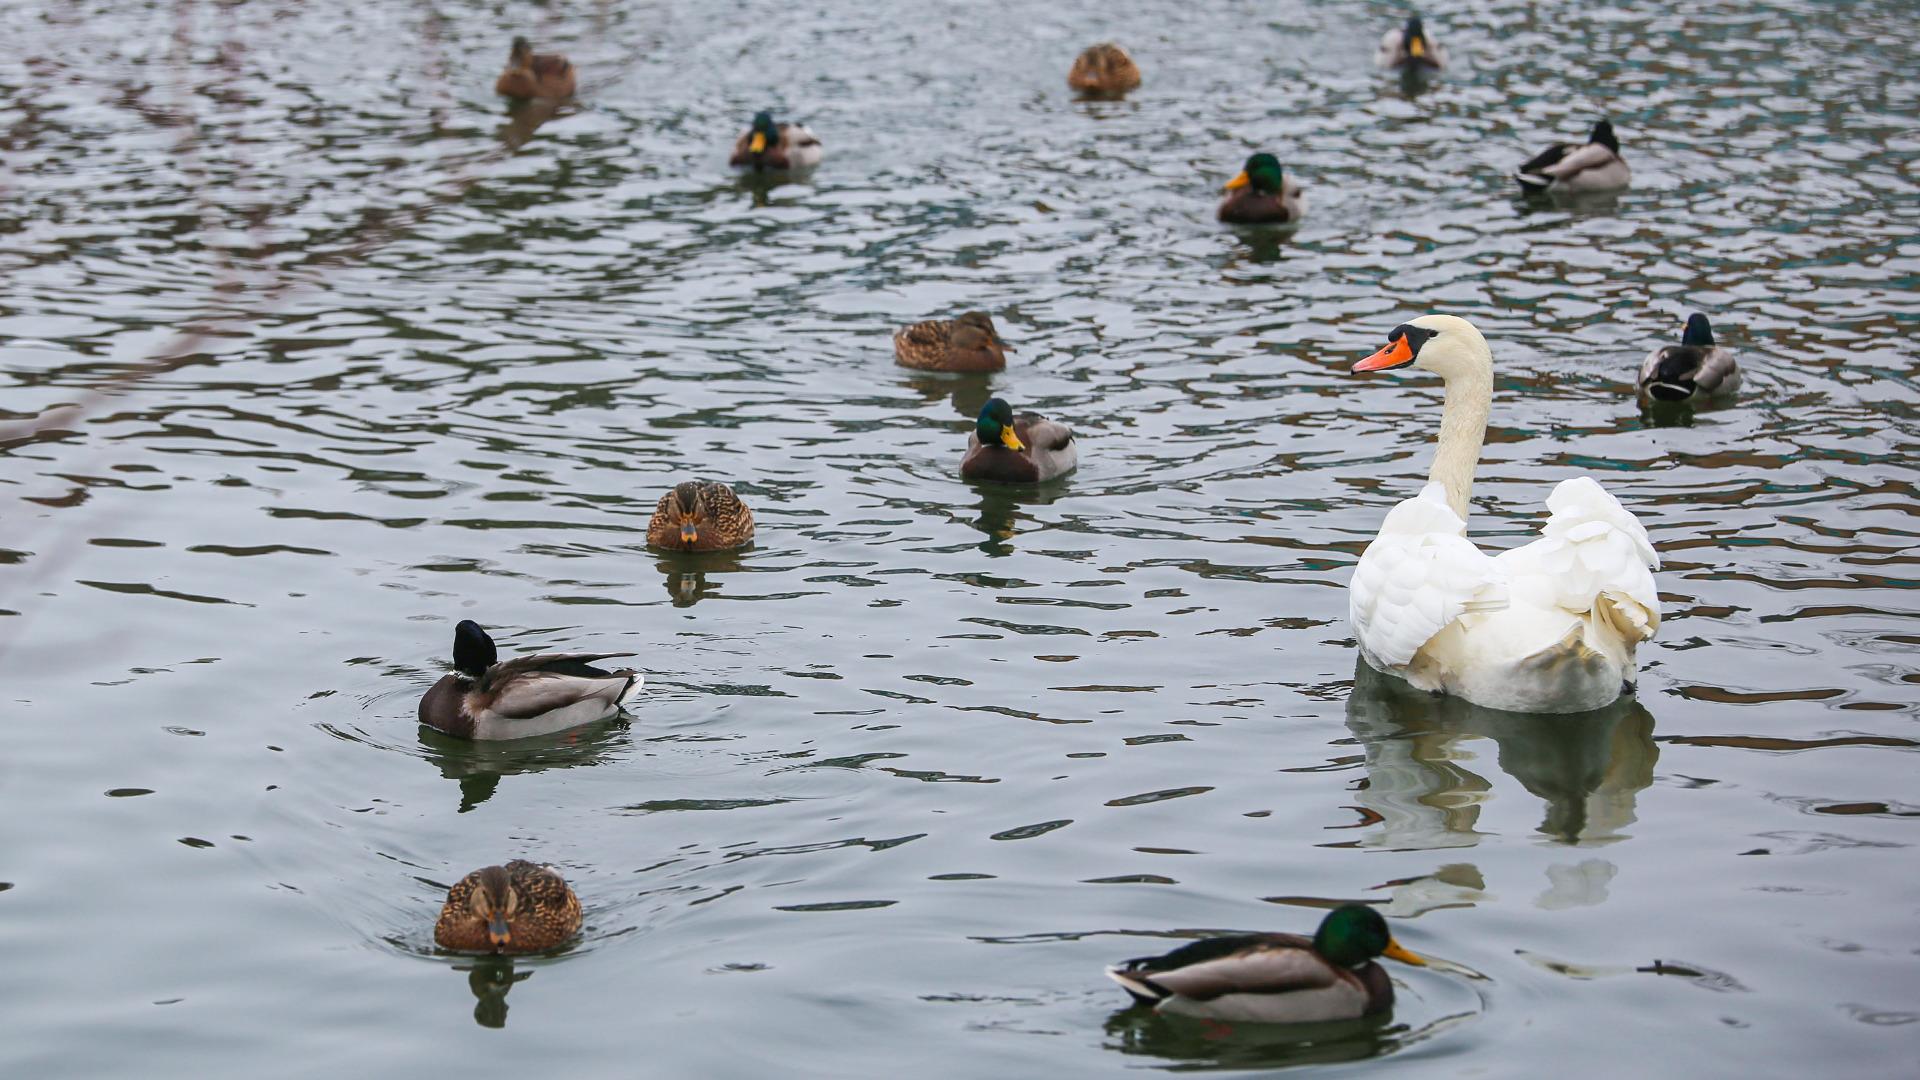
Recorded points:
1274,978
1104,70
700,515
524,696
534,75
516,908
769,147
1026,449
1694,370
1572,167
968,343
1262,195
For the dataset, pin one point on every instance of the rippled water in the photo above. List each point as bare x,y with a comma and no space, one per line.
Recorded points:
303,361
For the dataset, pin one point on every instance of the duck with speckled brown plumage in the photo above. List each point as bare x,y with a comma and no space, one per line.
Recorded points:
516,908
700,515
1274,978
1104,70
1024,449
534,75
968,343
484,697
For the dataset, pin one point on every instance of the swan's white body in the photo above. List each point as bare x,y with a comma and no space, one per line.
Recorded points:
1549,627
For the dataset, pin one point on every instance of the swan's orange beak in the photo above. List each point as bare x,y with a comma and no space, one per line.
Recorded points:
1396,353
1238,182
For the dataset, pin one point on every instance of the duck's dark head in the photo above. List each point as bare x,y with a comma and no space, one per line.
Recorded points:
1353,934
522,52
1603,134
494,900
981,323
762,134
1699,333
1415,36
689,510
1262,173
473,651
996,425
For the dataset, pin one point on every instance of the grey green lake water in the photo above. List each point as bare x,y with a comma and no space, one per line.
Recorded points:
309,348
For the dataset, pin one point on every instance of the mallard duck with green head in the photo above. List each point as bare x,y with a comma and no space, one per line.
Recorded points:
484,697
1262,195
1697,369
1024,449
769,147
1410,46
516,908
1274,978
1571,168
968,343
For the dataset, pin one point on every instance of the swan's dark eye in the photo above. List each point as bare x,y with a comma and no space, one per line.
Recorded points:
1416,336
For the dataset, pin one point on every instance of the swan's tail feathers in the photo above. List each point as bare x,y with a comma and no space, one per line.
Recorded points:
1633,621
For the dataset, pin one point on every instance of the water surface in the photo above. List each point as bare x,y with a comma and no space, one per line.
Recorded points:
310,349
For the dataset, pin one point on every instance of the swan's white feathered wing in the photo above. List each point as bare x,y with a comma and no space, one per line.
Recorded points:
1548,627
1418,575
1592,556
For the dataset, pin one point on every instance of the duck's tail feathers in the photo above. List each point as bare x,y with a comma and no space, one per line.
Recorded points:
1533,181
1143,991
635,682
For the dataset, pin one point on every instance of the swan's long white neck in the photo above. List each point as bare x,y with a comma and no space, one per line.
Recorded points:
1463,428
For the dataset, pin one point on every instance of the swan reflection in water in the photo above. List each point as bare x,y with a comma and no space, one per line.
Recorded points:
1420,759
478,765
490,977
1422,792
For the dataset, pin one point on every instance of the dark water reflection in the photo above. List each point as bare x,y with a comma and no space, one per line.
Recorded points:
310,346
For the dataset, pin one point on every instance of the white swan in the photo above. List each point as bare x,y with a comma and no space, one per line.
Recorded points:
1549,627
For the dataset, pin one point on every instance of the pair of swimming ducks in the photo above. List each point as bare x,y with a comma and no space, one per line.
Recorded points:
1270,978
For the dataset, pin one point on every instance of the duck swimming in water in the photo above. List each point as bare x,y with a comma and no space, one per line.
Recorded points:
769,147
486,698
1694,370
516,908
1274,978
1024,449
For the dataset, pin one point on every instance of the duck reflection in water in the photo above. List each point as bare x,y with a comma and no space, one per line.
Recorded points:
478,766
1003,513
968,391
1587,767
490,978
524,119
685,574
1215,1044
